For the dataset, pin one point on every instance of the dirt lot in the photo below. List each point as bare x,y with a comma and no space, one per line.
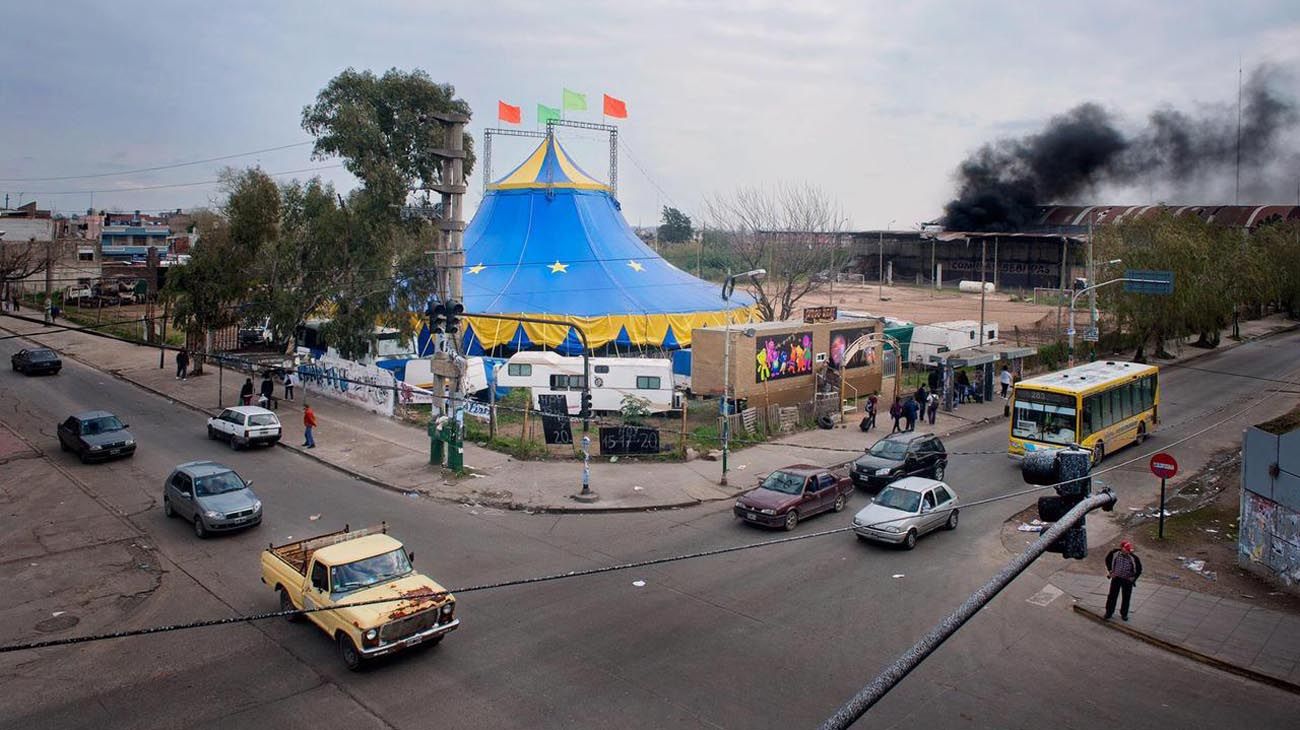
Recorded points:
925,306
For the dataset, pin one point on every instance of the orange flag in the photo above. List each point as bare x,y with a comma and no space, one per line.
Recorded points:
615,107
507,113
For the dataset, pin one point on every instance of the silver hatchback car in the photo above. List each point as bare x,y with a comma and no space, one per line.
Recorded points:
907,509
212,497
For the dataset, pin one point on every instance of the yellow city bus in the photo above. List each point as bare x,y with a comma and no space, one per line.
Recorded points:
1102,406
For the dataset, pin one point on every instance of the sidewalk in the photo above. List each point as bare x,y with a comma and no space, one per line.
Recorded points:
394,455
1253,642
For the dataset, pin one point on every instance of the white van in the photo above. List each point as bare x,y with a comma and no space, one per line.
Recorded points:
611,378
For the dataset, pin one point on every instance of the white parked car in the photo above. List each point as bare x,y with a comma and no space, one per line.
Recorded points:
907,509
244,426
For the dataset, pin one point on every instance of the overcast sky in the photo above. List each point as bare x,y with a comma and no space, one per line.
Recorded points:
877,102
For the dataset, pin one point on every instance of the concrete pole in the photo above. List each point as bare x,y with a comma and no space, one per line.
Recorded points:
1060,303
1092,279
995,262
49,280
984,251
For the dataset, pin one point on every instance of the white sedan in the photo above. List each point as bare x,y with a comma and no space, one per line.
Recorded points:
907,509
244,426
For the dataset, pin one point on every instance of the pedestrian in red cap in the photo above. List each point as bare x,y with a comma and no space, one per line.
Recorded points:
1123,567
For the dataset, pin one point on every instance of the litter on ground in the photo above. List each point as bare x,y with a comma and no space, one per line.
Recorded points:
638,583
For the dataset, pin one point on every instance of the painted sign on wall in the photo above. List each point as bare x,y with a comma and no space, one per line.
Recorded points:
365,386
783,356
840,341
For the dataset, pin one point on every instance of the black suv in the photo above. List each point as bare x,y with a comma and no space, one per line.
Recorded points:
900,455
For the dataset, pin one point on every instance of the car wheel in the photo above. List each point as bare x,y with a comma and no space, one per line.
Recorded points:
840,501
212,434
200,531
1098,453
286,604
951,524
1142,432
167,508
861,538
909,542
348,653
234,443
63,446
84,456
791,519
938,472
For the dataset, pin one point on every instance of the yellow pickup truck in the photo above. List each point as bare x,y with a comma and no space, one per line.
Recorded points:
357,566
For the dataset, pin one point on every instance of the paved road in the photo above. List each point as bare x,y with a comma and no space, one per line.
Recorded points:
775,637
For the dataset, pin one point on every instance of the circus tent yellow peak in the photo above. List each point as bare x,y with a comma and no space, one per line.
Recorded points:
549,166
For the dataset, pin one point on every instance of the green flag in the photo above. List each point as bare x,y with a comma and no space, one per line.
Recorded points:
575,101
547,113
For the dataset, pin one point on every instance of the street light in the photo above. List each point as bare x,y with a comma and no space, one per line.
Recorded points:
882,259
728,287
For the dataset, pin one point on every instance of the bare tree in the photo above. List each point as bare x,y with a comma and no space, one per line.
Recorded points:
789,229
19,261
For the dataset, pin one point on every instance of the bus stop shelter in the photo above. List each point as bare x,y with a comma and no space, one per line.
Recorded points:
987,359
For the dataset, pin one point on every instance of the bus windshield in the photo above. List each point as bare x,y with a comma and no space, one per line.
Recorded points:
1048,417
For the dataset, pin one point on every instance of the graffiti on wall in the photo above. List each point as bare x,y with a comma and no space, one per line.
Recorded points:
1270,536
783,356
366,386
840,341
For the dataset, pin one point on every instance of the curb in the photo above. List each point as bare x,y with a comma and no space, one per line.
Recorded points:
1190,653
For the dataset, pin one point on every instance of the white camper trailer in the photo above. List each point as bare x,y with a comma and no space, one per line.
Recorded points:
419,372
942,337
611,378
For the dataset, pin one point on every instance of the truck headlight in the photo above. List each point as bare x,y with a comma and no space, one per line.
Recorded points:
447,608
372,634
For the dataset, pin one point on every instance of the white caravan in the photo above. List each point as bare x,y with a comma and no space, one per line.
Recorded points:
549,373
419,372
943,337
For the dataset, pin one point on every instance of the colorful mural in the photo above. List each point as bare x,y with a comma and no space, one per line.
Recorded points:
783,356
840,341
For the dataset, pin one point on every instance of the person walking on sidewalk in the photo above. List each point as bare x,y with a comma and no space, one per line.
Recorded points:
896,412
246,392
1005,380
932,408
911,410
869,421
268,390
182,363
308,424
1123,567
290,380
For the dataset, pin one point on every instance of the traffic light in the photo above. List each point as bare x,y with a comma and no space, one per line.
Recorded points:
585,410
437,312
453,310
1066,470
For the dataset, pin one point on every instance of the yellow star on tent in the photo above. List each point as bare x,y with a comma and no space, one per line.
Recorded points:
477,268
559,268
636,265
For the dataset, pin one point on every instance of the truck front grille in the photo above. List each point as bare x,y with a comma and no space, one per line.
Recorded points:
404,627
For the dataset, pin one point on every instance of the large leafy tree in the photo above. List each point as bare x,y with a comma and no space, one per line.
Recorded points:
384,129
676,226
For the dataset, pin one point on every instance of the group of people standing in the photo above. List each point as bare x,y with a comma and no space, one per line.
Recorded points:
266,393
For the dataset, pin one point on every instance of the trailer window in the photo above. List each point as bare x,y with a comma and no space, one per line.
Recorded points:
566,382
602,369
647,382
517,369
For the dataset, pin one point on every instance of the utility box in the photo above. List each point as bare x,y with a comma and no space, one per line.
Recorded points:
1268,538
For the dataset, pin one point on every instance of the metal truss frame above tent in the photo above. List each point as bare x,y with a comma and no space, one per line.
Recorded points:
487,146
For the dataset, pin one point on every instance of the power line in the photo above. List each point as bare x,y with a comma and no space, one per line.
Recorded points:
172,185
153,169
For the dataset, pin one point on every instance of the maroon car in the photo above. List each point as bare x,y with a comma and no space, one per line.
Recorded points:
792,494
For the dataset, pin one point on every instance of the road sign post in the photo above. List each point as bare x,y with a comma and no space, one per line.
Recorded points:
1164,466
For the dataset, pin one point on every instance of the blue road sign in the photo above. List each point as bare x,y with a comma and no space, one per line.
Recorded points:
1142,281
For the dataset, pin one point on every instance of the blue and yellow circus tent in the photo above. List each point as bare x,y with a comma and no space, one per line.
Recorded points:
549,241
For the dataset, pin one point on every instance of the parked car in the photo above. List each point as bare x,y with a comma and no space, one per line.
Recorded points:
907,509
212,497
244,426
791,494
31,361
95,435
900,455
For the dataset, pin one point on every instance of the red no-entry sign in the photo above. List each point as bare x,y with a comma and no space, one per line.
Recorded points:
1164,466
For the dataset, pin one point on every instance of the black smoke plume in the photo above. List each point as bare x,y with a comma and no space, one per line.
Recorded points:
1083,151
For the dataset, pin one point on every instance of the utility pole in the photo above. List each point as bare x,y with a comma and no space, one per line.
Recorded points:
49,281
984,252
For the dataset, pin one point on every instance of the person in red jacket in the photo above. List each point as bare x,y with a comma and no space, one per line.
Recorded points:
1123,567
308,423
